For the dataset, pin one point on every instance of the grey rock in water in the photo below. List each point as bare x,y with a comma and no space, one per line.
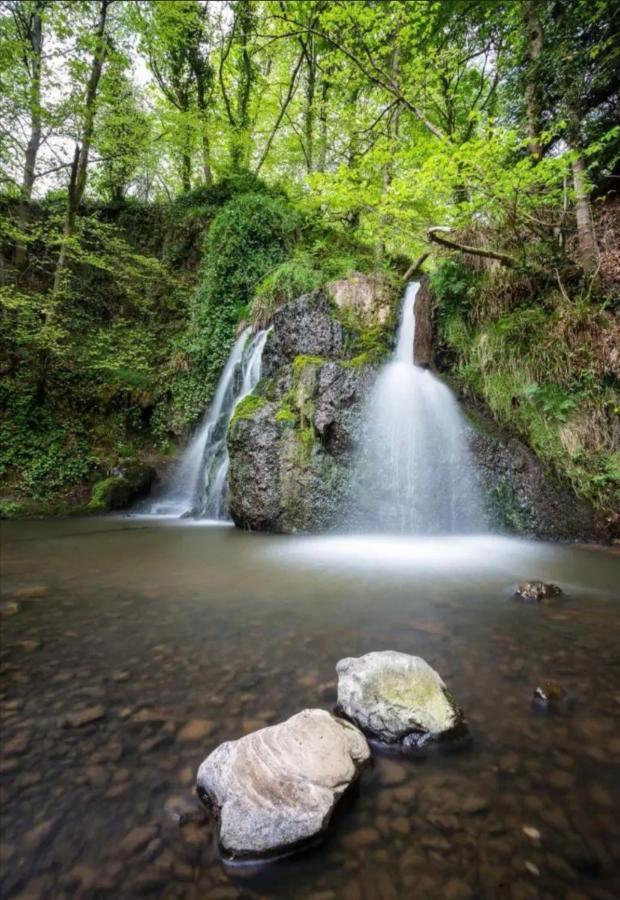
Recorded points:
397,699
275,789
537,592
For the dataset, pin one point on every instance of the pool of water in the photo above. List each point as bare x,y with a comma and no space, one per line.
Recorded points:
152,625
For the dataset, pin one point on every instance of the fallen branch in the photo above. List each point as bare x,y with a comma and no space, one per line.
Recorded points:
413,268
504,258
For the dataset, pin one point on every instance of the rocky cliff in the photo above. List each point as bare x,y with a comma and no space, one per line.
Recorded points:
292,443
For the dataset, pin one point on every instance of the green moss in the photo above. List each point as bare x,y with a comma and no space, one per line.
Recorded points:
102,493
306,438
247,407
368,358
286,416
300,363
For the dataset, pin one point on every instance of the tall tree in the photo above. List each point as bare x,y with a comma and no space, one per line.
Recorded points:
79,169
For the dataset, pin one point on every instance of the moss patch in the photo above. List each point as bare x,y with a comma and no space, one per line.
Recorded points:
286,416
300,363
248,407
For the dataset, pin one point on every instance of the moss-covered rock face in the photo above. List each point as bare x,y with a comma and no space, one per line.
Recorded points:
291,446
122,488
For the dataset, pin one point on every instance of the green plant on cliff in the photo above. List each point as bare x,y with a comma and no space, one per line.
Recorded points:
251,234
545,367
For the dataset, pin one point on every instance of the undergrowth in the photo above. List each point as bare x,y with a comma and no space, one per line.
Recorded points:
545,365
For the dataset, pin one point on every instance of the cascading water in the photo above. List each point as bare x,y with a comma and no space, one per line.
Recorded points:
198,486
416,475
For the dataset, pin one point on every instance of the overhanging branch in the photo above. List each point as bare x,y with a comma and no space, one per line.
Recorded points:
436,236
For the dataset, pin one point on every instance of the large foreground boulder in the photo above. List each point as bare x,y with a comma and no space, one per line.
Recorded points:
397,699
275,790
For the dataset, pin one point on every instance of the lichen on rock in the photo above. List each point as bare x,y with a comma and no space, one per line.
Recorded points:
292,446
397,699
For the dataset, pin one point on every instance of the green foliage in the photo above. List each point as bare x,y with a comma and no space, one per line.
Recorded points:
251,235
101,497
541,369
292,278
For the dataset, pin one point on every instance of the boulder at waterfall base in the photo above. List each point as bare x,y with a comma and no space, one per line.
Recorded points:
275,789
397,699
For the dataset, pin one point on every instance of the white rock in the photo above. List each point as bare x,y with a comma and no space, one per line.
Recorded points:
277,787
395,697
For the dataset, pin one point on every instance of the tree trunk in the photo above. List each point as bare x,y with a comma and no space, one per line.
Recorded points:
321,157
533,99
34,141
310,88
588,245
79,172
186,160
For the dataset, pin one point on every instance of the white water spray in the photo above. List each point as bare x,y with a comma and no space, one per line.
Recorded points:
198,486
416,473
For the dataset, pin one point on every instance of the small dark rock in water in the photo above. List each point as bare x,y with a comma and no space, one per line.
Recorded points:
85,716
537,592
550,696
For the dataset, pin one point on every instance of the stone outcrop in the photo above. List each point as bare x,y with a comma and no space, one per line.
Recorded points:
292,443
522,496
396,698
367,296
125,485
275,789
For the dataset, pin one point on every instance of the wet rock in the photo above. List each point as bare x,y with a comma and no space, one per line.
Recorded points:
195,730
9,608
38,835
362,837
531,832
16,745
125,485
473,804
537,592
137,839
397,699
550,697
85,716
275,789
31,592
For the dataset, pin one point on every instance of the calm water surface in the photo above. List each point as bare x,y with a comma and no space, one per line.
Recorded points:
154,625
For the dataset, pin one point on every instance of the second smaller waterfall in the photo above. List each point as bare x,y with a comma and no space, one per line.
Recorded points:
198,486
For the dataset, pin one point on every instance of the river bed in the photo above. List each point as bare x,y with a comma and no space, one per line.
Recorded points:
175,636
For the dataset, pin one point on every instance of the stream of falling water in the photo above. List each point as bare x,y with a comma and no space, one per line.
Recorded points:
416,475
198,486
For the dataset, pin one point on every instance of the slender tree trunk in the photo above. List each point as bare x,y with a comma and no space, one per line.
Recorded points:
186,160
34,141
204,134
533,99
310,89
240,149
79,174
321,156
588,245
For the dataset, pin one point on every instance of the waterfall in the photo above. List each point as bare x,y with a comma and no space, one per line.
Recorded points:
416,475
198,486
